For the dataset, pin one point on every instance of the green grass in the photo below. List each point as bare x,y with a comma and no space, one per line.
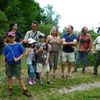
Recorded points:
50,92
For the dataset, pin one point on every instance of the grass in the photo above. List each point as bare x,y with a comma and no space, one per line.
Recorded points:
50,92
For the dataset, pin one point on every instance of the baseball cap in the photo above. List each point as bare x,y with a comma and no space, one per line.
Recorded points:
30,41
41,35
11,33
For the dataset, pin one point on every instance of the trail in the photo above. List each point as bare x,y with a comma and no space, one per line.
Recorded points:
83,86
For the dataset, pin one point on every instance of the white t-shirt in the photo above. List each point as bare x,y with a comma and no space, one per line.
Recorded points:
97,43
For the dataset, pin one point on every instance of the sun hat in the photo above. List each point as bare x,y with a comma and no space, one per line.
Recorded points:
30,41
41,35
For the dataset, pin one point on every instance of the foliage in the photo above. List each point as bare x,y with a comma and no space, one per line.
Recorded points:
45,28
3,22
51,16
24,12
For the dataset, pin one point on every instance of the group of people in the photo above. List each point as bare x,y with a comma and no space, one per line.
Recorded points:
42,54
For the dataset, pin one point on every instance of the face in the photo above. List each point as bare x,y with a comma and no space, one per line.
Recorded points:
15,27
54,32
85,30
34,27
32,45
69,29
42,39
11,39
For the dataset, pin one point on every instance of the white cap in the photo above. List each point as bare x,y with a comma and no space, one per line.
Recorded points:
41,35
30,41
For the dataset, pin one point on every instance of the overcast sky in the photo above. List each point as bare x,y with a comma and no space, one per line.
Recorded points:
78,13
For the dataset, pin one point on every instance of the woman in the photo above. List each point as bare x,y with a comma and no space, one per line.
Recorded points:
13,27
54,40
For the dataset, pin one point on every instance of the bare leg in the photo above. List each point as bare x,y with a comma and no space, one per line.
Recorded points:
21,83
62,69
69,69
10,82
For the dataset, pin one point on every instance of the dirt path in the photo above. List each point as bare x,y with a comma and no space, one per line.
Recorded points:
83,86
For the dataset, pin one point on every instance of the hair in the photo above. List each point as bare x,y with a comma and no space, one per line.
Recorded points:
83,29
71,27
11,25
53,29
35,22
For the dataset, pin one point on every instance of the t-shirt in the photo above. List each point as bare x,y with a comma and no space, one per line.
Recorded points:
97,43
68,38
41,56
30,56
13,50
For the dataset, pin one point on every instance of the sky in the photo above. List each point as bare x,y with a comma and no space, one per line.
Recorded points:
78,13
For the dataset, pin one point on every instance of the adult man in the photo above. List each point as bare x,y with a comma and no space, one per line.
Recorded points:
32,33
85,43
69,41
96,51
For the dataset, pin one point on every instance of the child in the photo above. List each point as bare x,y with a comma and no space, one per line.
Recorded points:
13,52
30,52
42,57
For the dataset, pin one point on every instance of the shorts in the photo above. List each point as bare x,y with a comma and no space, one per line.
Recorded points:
13,70
68,56
42,68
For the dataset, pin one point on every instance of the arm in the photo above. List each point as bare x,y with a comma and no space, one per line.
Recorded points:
27,51
47,60
73,43
90,43
26,37
94,48
17,59
4,64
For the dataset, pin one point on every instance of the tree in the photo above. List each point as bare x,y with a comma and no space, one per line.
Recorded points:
3,22
50,16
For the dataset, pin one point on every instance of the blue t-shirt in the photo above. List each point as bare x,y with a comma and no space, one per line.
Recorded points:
13,50
68,38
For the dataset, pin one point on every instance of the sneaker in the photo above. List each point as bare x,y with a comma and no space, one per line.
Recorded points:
27,93
10,92
30,82
95,73
62,76
49,82
41,82
34,82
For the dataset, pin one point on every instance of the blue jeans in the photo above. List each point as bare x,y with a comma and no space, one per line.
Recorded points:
31,70
82,56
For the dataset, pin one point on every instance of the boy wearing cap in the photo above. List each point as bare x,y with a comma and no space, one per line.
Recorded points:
30,56
13,52
42,58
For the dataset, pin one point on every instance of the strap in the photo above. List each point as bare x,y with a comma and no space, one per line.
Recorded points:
33,35
12,51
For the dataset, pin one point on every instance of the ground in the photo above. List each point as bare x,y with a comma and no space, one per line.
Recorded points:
53,92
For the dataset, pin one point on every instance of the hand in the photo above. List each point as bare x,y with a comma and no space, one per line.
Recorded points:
16,59
4,68
41,48
46,62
